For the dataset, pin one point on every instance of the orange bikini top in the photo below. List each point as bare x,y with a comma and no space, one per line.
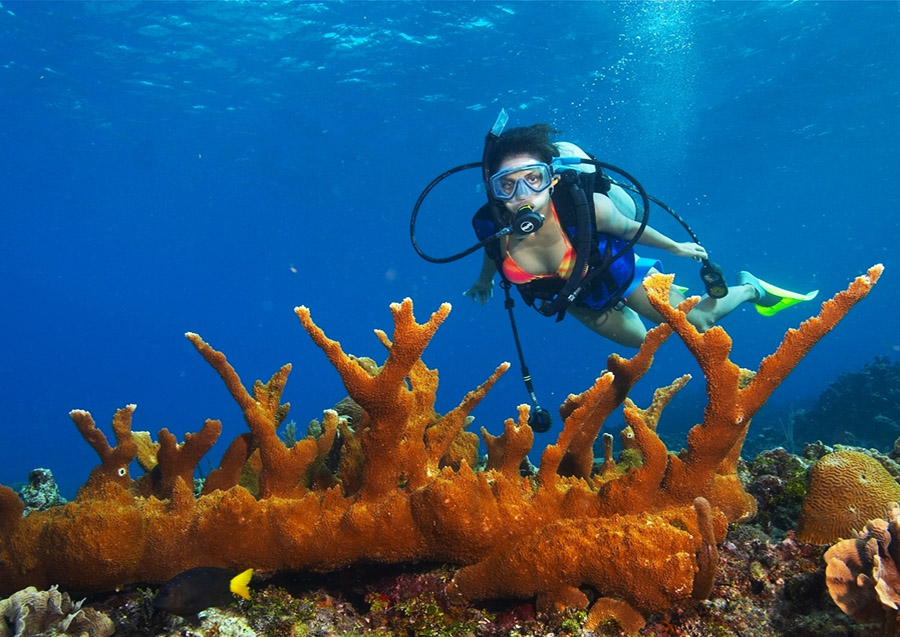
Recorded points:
516,275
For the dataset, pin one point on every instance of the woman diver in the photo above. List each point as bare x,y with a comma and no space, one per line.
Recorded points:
521,168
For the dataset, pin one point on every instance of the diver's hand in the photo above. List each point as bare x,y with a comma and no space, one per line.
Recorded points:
693,251
481,291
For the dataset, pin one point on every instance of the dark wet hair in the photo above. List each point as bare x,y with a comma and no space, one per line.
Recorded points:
526,140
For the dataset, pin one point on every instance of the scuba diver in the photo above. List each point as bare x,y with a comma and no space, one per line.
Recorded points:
523,171
563,232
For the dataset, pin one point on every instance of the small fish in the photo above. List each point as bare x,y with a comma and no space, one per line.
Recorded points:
199,588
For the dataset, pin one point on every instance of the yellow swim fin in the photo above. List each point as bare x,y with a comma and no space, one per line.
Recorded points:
772,299
239,584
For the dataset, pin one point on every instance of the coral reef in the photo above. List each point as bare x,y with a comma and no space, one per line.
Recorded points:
863,574
860,408
643,538
41,491
778,481
762,589
33,612
847,488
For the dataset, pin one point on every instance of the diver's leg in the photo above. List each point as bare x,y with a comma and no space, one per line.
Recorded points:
639,302
621,326
709,310
704,315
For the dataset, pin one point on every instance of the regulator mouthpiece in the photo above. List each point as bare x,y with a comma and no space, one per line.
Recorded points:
526,221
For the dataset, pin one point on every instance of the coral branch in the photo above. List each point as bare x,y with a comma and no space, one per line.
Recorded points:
439,436
732,401
708,555
180,461
413,339
579,455
797,343
393,443
229,471
638,489
596,403
508,451
282,468
114,461
609,466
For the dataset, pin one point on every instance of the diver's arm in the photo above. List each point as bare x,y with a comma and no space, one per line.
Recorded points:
611,221
483,289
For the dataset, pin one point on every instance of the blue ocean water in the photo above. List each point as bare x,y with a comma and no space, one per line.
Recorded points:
208,166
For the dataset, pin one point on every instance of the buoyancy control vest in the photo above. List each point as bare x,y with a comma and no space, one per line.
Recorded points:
607,277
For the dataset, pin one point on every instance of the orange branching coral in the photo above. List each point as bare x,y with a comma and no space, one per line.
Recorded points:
401,431
846,489
114,461
147,449
609,465
282,468
176,461
607,554
623,374
164,462
508,451
229,471
863,574
643,538
713,448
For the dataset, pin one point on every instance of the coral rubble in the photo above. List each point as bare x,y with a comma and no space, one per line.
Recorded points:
404,489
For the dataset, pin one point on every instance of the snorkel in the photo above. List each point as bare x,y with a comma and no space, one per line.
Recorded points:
490,142
527,219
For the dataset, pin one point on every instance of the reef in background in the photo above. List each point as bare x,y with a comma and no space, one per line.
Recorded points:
401,487
840,417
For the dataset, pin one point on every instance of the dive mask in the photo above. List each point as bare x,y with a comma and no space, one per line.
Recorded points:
521,181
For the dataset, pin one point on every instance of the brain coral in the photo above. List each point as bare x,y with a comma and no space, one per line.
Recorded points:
847,489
